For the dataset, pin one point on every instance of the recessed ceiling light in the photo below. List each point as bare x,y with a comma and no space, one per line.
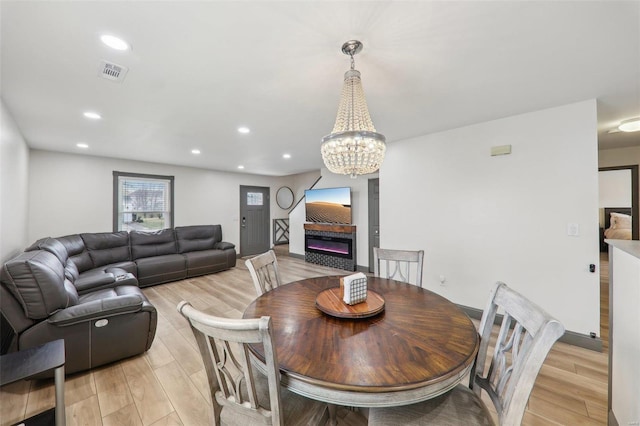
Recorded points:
114,42
243,130
287,156
632,125
92,115
82,145
195,151
241,167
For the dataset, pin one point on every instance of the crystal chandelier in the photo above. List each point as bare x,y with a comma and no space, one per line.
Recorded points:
353,147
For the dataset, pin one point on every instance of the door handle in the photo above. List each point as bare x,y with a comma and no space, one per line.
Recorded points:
244,222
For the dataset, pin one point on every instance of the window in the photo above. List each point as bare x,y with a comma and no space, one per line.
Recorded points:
142,202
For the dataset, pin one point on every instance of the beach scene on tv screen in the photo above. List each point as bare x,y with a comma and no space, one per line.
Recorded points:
328,205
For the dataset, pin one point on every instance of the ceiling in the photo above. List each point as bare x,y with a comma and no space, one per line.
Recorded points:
198,70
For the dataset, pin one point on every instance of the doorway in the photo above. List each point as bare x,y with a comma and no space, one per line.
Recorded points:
255,216
374,218
630,186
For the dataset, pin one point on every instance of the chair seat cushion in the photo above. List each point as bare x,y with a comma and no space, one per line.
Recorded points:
460,406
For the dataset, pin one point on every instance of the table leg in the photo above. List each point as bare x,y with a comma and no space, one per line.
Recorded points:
59,385
333,421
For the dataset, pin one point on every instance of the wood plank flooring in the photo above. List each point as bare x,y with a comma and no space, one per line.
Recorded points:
167,385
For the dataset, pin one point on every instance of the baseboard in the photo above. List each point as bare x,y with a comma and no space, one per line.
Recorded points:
569,337
296,255
612,421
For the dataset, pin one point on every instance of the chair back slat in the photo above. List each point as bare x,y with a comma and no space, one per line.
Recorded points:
264,272
526,335
223,345
398,264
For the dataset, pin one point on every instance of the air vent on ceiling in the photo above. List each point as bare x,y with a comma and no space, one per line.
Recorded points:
111,71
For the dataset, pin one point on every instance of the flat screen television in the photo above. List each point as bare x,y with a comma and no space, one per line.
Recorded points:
328,205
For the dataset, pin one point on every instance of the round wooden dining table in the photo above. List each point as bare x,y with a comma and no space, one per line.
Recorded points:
420,346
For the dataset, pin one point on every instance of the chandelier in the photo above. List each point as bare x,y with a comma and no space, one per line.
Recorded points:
353,147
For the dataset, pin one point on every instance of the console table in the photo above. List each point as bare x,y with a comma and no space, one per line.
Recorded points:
31,362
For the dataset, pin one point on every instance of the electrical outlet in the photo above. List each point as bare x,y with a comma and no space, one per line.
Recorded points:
573,229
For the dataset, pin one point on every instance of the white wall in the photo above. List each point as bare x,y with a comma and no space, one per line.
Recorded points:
619,157
614,190
297,214
481,219
73,193
359,213
14,171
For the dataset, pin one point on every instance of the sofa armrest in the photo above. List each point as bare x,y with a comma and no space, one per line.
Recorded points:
97,309
223,245
92,282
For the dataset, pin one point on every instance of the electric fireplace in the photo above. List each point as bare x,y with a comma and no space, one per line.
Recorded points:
330,245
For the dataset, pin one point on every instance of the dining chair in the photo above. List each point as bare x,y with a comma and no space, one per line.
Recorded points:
264,272
398,264
240,395
525,337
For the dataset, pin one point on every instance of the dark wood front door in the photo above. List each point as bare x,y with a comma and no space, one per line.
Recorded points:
254,220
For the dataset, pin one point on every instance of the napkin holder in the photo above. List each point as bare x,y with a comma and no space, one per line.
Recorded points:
353,288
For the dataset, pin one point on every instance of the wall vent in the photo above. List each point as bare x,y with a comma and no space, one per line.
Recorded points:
111,71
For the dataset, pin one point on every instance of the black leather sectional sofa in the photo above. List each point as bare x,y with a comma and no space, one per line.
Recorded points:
84,288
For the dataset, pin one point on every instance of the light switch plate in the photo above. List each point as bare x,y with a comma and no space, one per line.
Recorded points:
500,150
573,229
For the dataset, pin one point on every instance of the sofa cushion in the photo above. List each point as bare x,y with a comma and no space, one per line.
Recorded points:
125,266
147,244
197,237
77,251
117,274
161,269
36,245
36,279
107,247
51,245
71,271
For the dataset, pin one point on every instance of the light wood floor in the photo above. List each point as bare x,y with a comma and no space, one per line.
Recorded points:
167,385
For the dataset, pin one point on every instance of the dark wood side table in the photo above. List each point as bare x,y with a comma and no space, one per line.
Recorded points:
30,362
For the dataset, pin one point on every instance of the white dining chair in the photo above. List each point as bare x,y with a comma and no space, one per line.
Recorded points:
526,335
398,264
240,395
264,271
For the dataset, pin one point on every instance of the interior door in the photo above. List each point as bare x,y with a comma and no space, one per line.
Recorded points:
255,217
374,218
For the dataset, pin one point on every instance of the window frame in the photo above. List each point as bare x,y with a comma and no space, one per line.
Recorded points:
116,190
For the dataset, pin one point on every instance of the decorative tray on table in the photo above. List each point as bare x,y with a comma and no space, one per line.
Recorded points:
330,302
